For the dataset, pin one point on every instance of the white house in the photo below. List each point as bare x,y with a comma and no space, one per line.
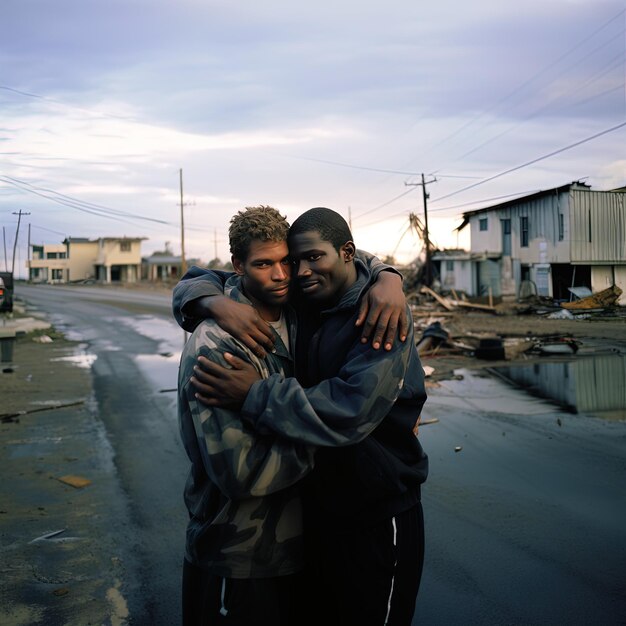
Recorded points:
569,236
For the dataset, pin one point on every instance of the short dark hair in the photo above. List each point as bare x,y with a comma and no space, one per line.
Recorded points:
328,223
256,222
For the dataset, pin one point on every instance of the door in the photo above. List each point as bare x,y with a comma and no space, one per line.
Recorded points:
506,237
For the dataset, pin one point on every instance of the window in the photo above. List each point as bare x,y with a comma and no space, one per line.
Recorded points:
561,227
523,235
52,255
57,274
483,223
449,266
125,246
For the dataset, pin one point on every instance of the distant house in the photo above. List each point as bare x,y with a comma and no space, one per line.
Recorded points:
454,268
569,236
164,266
106,259
161,267
48,264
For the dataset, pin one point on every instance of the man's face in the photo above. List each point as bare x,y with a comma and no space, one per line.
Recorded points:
266,273
321,272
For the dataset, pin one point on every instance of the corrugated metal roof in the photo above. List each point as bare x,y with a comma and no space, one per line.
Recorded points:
534,196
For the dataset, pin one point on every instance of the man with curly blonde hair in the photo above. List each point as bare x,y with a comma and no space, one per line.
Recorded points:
244,536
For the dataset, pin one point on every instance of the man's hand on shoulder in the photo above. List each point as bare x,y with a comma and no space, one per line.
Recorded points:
383,312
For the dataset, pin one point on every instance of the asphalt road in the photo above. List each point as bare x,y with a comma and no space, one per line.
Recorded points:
141,427
525,523
524,507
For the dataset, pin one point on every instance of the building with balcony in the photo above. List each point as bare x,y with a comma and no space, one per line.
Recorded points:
106,259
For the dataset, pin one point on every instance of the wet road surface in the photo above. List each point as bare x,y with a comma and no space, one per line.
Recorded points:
525,523
524,506
134,357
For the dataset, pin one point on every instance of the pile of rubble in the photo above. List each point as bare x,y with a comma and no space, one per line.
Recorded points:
454,332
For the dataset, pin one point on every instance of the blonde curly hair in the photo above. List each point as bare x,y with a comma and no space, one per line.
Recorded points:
255,222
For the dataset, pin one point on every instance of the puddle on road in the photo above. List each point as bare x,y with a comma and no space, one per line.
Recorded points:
481,392
80,358
161,369
588,384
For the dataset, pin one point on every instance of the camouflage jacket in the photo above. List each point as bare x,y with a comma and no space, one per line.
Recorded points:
241,493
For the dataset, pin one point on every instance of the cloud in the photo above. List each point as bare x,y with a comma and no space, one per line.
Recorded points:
107,101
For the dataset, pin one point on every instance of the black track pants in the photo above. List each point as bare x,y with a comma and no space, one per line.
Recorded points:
366,577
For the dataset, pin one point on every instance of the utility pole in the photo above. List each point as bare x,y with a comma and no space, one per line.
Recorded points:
425,196
215,243
182,228
350,218
4,238
28,253
17,232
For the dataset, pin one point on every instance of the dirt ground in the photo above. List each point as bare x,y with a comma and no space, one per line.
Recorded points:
57,491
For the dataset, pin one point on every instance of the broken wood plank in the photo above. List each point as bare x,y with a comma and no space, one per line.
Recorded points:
444,302
475,305
604,298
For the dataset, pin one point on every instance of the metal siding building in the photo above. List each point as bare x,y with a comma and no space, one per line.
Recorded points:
598,220
559,238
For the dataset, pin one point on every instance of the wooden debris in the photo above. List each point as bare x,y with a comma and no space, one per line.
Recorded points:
63,591
444,302
451,305
78,482
605,298
475,305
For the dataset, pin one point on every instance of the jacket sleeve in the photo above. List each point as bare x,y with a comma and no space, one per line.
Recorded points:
375,265
341,410
240,461
196,283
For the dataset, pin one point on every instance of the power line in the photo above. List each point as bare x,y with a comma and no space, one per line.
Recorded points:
577,87
56,232
533,161
65,104
380,206
484,200
357,167
73,202
530,80
87,207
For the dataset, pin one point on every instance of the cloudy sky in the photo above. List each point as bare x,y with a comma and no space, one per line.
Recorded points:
340,103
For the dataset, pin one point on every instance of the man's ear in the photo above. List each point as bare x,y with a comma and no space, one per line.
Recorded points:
237,265
348,250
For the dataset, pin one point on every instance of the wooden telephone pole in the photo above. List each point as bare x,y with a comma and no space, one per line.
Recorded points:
428,277
17,232
183,261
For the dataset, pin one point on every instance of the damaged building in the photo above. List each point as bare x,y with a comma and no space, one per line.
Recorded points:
550,242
